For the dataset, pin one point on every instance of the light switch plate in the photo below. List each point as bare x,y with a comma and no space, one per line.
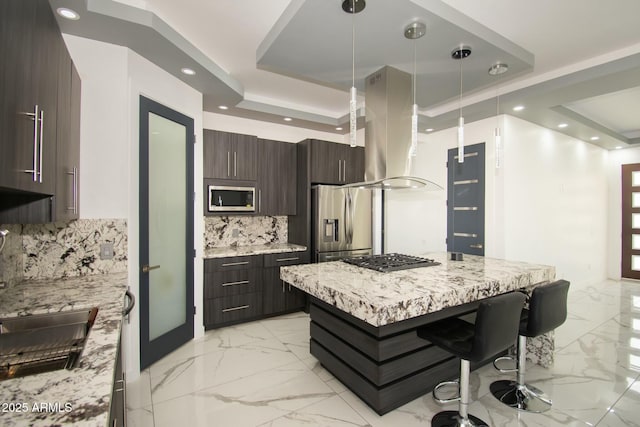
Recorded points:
106,251
235,232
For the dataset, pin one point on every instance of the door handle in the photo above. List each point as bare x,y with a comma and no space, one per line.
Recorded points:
147,268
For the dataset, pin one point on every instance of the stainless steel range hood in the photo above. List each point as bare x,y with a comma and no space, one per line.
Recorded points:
388,133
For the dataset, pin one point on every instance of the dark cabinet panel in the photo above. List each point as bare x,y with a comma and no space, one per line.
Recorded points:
276,178
38,136
228,283
229,155
68,142
232,309
232,263
279,296
333,163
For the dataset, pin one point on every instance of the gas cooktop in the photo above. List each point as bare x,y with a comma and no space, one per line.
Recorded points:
390,262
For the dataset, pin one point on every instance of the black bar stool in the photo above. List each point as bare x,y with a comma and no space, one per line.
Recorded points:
547,310
495,329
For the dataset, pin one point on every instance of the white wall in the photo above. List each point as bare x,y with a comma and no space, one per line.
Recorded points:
113,78
546,204
617,158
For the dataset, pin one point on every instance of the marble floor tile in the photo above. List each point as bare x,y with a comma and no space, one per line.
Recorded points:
139,391
170,380
248,401
626,411
140,417
262,374
333,411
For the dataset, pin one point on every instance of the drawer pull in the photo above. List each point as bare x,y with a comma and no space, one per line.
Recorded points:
229,264
288,259
241,307
242,282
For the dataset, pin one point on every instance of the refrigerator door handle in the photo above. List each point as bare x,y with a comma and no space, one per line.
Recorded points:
348,218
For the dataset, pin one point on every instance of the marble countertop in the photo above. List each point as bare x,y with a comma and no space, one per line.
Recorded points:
271,248
80,396
384,298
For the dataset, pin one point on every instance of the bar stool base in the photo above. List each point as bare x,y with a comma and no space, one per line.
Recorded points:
523,397
453,419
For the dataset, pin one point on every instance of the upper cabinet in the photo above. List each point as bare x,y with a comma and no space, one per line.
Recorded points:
333,163
230,156
39,117
276,178
31,44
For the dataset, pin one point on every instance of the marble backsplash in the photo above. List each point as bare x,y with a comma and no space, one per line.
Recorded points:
64,249
244,230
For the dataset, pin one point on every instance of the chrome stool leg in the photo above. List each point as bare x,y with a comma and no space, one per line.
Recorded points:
462,417
518,394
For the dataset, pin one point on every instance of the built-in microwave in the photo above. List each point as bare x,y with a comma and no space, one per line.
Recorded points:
225,198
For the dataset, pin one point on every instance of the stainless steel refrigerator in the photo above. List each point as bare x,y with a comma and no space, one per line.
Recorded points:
341,222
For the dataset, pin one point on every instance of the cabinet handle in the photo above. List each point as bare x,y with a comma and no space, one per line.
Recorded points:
344,171
242,282
74,190
41,138
339,171
235,163
228,163
478,246
34,117
282,281
241,307
287,259
229,264
260,200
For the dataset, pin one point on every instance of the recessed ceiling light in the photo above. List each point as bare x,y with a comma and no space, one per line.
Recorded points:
68,13
188,71
287,119
518,108
595,138
618,147
562,125
497,69
223,107
338,128
429,129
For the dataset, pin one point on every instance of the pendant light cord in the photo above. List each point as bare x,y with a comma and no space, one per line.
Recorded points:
353,43
415,41
460,100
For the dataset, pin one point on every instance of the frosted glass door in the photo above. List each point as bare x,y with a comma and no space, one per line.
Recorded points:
166,231
167,216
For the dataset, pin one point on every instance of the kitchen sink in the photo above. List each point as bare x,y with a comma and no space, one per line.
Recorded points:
44,342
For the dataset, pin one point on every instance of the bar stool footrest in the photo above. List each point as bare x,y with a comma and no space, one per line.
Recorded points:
503,358
444,384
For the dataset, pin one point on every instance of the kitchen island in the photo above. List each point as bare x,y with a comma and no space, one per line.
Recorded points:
363,322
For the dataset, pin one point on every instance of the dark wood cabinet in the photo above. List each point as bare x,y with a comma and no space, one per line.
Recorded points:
243,288
333,163
232,290
279,296
276,178
31,44
229,155
39,137
66,202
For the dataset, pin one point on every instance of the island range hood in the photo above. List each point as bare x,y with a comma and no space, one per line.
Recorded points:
387,151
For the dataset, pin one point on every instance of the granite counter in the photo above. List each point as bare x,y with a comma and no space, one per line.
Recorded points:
270,248
80,396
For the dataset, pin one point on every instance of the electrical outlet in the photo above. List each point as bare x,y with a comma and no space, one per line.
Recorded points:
106,251
235,232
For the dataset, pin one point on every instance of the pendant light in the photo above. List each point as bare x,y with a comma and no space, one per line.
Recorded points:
413,32
461,53
353,7
496,70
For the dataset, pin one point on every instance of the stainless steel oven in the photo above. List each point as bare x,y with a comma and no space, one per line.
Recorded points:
224,198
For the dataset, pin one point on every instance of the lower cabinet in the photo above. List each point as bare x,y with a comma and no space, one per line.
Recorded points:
279,296
241,289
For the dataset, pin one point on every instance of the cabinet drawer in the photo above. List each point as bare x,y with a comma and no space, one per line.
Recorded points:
232,263
233,308
286,258
226,283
